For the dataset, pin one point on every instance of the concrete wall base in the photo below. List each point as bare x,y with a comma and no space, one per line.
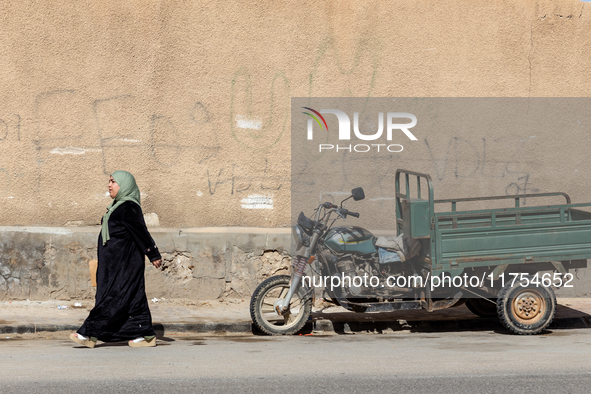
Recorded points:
44,263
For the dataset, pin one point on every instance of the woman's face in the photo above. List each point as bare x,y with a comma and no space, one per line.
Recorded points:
113,187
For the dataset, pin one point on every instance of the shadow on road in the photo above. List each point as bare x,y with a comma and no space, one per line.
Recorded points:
447,320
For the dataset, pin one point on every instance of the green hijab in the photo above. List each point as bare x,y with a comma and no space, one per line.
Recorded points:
128,191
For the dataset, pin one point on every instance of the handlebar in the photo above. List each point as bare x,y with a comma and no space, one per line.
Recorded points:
347,212
329,208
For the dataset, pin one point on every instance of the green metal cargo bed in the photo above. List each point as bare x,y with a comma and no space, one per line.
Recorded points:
454,240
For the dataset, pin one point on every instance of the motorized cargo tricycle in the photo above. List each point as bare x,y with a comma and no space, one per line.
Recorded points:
501,262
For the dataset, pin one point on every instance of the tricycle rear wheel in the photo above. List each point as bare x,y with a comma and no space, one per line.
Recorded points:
526,310
482,307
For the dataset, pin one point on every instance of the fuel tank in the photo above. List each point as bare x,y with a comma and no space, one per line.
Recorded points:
350,240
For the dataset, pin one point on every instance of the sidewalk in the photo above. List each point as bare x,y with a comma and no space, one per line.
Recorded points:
36,319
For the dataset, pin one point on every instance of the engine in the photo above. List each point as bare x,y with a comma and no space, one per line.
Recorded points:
366,277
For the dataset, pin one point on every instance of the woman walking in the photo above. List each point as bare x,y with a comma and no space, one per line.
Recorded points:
121,309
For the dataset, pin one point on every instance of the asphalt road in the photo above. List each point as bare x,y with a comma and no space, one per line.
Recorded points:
451,362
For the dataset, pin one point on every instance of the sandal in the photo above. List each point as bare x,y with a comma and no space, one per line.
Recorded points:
82,340
142,342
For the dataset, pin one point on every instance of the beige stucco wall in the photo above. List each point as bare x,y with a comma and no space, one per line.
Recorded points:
158,88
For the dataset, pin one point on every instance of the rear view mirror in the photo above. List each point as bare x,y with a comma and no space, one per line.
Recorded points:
358,194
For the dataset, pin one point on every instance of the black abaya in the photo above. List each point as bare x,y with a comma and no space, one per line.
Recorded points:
121,309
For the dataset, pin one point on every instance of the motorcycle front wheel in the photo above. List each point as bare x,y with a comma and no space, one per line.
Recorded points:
264,315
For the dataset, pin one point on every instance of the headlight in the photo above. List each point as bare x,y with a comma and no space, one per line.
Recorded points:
298,236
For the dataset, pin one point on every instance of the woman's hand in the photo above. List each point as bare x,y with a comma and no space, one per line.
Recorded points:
157,263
